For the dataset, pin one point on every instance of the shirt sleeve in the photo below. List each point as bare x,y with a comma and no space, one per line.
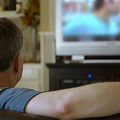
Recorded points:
16,99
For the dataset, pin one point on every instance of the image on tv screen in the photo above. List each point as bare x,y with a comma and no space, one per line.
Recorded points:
88,20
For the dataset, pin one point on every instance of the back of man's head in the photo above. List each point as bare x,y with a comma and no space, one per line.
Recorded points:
11,42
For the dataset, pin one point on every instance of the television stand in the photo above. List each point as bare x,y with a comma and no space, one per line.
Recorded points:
62,76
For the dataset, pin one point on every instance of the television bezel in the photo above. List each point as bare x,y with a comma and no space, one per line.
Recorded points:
63,48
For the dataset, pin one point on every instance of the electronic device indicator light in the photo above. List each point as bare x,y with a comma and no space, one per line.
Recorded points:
90,76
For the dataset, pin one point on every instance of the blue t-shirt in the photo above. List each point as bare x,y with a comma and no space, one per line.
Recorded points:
16,99
90,24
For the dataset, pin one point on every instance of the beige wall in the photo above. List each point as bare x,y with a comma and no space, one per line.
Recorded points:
47,11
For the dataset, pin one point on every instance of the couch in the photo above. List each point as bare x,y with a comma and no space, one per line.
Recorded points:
11,115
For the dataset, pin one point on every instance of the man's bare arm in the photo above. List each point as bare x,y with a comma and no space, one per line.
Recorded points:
94,100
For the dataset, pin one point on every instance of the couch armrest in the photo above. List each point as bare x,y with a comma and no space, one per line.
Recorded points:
11,115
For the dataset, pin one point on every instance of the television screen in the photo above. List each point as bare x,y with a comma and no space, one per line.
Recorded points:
91,20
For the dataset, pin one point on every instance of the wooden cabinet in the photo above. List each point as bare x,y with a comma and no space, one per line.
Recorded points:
72,75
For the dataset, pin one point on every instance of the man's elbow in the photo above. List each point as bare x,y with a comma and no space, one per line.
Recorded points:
64,111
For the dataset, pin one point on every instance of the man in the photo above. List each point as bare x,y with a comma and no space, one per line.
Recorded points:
99,22
89,101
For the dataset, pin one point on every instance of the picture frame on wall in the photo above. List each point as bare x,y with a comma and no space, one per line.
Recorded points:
8,5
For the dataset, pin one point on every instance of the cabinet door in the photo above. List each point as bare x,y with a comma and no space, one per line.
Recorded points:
68,78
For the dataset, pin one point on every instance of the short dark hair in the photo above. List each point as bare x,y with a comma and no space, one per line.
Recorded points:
11,42
98,4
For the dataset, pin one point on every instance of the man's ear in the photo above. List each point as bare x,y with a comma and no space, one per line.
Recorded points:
17,64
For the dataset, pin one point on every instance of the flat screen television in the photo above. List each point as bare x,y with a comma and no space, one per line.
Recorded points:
88,27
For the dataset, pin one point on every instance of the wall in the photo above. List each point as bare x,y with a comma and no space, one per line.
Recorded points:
47,39
47,10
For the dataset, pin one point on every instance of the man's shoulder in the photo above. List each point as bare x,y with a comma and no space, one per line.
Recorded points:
10,97
9,93
16,90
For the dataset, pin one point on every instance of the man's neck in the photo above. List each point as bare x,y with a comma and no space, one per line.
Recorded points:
4,83
5,80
